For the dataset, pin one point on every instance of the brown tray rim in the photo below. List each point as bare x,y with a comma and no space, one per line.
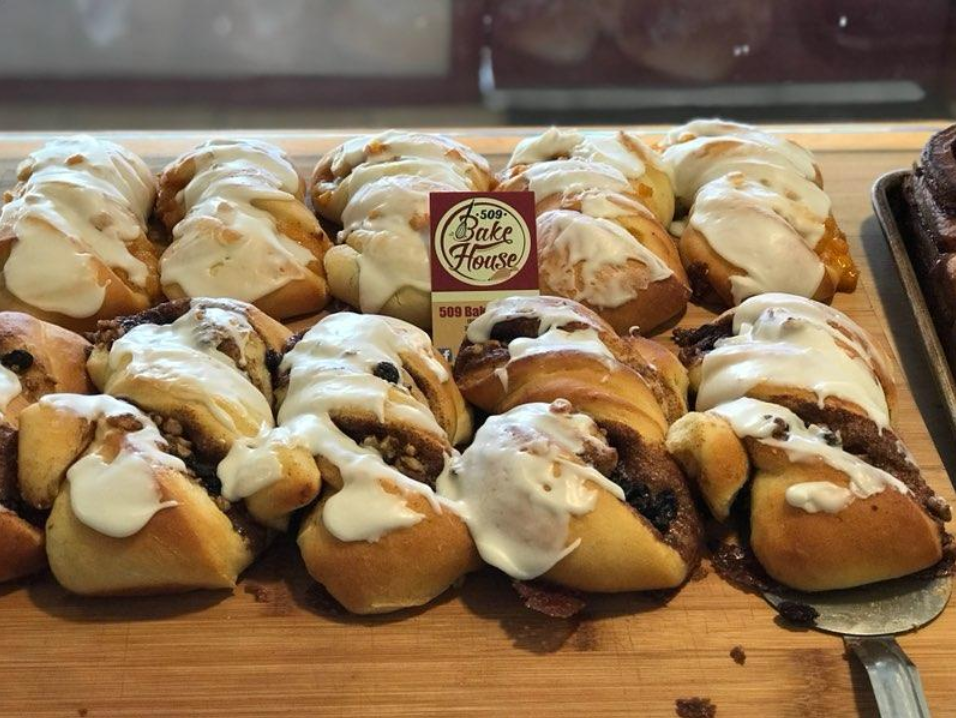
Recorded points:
890,223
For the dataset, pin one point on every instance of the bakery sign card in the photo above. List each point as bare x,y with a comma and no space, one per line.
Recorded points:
483,248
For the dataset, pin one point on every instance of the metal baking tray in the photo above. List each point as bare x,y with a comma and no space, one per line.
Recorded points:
893,214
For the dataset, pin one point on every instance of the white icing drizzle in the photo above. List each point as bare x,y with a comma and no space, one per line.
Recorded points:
557,177
183,357
362,160
386,222
83,200
520,482
331,370
767,230
594,243
704,150
116,498
10,388
623,151
227,245
802,444
552,316
796,342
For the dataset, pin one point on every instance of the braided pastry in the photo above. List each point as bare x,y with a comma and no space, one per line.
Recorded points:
771,231
240,229
830,506
622,151
374,403
794,403
791,351
73,244
377,188
608,252
621,518
202,369
704,150
127,516
36,359
356,163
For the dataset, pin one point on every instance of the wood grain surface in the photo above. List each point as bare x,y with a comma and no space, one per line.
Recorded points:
277,647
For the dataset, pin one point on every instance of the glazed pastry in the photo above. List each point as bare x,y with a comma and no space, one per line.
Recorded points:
622,518
826,511
126,515
791,351
610,253
381,265
347,168
73,243
623,151
704,150
771,231
240,229
508,350
36,359
377,188
373,401
201,370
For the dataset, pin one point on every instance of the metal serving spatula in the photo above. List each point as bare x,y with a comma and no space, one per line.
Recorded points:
868,617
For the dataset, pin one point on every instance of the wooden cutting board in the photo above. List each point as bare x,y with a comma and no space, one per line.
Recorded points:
276,647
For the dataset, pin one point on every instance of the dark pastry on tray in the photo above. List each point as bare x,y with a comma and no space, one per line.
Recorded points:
73,234
930,193
154,486
792,437
36,359
570,481
239,227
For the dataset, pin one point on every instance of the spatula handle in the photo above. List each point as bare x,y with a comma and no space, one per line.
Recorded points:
895,680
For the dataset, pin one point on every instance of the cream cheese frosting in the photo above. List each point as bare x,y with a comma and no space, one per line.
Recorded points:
521,481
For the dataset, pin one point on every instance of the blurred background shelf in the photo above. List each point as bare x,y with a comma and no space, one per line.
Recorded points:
341,63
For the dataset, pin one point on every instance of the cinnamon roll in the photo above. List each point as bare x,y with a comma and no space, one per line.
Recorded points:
73,234
622,151
378,189
202,370
770,232
621,518
792,436
610,253
36,359
792,351
375,404
240,229
361,160
826,510
704,150
126,515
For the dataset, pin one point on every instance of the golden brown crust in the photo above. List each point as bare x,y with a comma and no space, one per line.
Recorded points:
713,457
884,536
120,297
190,546
21,547
333,169
714,279
643,380
56,363
405,568
653,303
304,295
